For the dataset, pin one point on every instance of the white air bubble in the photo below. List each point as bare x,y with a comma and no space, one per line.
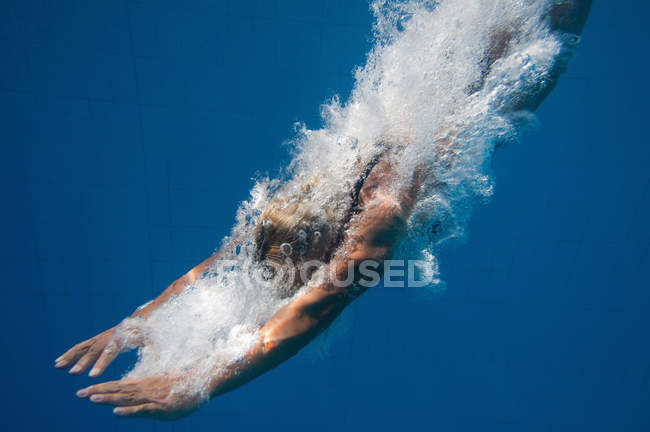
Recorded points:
286,249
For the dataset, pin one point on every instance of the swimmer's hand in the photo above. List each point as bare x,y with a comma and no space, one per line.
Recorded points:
145,397
100,350
103,348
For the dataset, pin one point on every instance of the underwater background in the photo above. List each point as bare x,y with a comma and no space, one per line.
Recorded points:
131,130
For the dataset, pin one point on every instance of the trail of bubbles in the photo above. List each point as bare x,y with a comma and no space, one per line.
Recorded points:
426,87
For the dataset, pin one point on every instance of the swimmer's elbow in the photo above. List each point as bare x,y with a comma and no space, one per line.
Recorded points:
300,321
285,333
367,252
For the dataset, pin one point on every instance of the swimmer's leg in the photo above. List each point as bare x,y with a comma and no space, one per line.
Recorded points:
569,16
567,19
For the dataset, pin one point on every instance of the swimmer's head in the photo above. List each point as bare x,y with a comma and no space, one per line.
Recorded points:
293,228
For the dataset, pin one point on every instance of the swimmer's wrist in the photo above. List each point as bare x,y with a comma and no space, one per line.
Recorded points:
217,384
242,370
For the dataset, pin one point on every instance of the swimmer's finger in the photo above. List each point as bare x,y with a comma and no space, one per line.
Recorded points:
88,358
143,410
107,387
108,355
73,354
119,399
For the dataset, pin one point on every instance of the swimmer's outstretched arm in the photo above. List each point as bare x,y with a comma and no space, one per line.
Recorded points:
102,350
371,238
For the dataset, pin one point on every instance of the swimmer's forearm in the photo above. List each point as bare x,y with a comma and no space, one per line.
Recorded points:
176,287
288,331
299,322
296,324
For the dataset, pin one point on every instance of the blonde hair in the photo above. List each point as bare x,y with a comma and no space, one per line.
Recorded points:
292,227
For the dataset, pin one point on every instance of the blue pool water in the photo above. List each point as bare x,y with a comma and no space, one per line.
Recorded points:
131,131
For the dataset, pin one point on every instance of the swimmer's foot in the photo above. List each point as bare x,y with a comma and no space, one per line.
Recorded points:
565,17
569,16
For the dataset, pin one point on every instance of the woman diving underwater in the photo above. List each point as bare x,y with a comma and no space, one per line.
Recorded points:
365,225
